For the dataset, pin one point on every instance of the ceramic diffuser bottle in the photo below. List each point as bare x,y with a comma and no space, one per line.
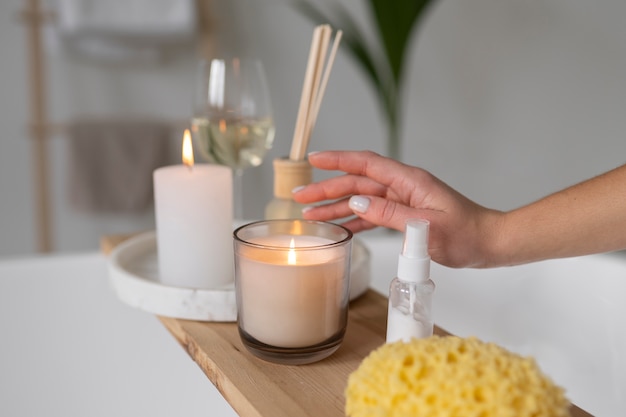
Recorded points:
288,174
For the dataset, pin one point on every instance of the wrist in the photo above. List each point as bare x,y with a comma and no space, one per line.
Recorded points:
495,248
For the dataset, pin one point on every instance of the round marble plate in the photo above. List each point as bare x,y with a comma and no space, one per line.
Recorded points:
134,276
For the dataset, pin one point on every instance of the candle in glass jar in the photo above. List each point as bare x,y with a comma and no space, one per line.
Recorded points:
193,210
292,296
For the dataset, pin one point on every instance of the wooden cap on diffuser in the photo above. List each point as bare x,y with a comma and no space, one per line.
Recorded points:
289,174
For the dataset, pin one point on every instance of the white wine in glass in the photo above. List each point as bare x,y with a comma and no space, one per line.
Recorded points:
233,123
238,143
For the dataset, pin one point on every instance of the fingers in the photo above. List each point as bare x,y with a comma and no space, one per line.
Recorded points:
338,210
357,224
338,187
380,190
385,212
329,211
371,211
364,163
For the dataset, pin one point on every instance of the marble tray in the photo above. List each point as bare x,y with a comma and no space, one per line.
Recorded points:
134,276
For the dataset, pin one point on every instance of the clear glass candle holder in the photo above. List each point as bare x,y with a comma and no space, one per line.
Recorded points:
292,281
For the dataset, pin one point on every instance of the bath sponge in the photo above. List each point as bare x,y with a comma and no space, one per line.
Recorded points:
451,376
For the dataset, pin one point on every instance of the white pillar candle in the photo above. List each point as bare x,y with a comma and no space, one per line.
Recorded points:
292,297
193,209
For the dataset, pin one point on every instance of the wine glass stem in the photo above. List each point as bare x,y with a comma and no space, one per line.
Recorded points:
238,193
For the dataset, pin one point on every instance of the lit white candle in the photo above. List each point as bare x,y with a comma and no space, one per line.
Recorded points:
193,208
294,297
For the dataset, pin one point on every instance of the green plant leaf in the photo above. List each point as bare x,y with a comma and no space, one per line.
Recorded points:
395,22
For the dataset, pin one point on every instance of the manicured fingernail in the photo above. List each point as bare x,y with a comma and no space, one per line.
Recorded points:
307,208
359,203
298,188
312,153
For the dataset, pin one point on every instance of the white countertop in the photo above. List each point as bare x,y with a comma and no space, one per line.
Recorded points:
71,348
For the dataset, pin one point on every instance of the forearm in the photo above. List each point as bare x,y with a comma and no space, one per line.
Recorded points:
586,218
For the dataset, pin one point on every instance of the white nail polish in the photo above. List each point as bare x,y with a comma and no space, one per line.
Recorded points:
298,188
307,208
359,203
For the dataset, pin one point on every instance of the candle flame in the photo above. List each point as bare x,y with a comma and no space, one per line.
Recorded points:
291,256
187,149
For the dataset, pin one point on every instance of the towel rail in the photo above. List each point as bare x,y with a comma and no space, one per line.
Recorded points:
40,128
33,17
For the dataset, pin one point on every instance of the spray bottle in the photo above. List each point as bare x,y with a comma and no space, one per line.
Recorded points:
410,293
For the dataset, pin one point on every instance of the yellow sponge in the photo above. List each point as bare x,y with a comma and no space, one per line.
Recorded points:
451,376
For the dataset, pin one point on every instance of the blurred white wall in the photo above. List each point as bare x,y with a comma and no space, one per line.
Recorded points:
505,100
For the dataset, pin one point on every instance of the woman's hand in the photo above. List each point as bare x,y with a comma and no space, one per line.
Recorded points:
384,192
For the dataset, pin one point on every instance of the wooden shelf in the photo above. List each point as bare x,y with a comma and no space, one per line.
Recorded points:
256,388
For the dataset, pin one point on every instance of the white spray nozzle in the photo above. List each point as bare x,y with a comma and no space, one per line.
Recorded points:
416,239
414,262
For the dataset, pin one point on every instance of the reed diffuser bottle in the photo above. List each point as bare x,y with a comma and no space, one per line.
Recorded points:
288,174
294,171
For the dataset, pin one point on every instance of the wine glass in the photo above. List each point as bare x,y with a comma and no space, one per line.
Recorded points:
232,123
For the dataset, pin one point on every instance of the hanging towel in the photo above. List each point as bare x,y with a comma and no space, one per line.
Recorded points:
124,30
111,163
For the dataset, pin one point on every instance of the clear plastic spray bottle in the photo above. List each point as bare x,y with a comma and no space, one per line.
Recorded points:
410,294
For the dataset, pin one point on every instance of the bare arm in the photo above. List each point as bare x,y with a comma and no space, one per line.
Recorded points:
587,218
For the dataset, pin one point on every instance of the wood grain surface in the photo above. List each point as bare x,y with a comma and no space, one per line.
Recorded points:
258,388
